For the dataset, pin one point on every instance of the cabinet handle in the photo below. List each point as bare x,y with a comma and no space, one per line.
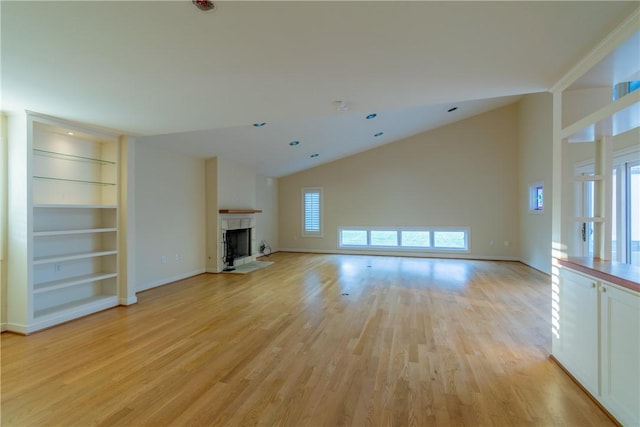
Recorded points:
603,289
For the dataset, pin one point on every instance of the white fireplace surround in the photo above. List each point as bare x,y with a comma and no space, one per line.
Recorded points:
237,222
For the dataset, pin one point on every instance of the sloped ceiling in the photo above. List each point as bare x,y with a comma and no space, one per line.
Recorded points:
194,82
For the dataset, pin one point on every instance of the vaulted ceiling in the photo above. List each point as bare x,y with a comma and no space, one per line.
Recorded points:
195,82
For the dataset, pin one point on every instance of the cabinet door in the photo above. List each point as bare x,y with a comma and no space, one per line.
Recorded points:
620,311
579,328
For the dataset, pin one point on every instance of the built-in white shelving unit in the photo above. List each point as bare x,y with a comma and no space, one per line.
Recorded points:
71,235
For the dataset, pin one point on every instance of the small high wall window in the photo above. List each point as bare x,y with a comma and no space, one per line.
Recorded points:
312,212
536,197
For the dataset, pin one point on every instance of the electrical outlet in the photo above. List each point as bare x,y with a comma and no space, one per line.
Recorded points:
57,268
163,259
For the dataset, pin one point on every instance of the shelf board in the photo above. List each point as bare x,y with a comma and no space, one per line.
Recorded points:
71,232
239,211
613,119
72,281
64,156
60,206
75,181
72,257
77,308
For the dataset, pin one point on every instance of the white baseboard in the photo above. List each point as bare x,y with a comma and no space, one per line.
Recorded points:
455,255
128,301
3,327
167,280
17,328
534,267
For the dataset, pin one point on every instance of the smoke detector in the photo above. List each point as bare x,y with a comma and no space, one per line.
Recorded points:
341,106
203,5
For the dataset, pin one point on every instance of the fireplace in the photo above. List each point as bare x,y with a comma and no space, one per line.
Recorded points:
237,244
237,240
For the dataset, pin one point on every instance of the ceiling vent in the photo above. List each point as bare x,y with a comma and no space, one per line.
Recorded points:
204,5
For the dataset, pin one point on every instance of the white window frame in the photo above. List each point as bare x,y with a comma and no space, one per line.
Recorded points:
621,160
533,197
310,233
432,230
587,167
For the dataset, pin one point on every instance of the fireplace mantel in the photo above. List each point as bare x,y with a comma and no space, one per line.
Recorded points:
239,211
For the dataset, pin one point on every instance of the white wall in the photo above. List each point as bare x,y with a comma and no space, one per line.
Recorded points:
535,150
211,214
267,221
463,174
236,185
169,215
3,221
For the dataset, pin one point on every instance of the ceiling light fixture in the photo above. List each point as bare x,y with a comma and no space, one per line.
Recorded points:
314,155
294,143
70,133
259,124
372,116
204,5
452,109
379,134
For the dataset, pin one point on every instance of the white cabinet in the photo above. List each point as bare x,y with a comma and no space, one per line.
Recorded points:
597,340
620,353
64,233
578,347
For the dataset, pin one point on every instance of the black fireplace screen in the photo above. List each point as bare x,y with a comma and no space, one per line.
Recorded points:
237,243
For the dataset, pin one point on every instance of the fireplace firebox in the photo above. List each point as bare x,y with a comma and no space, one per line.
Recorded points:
237,244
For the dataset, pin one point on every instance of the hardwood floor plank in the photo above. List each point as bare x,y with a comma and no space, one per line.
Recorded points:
314,340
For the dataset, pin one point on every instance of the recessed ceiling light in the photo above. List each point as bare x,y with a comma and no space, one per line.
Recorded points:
314,155
70,133
294,143
372,116
259,124
379,134
452,109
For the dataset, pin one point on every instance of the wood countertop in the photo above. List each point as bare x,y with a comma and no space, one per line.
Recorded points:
625,275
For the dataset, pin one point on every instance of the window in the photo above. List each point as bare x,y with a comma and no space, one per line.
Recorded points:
624,88
536,197
312,212
625,207
625,233
432,239
353,238
415,239
384,238
449,239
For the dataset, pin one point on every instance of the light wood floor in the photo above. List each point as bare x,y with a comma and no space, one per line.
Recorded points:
313,340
